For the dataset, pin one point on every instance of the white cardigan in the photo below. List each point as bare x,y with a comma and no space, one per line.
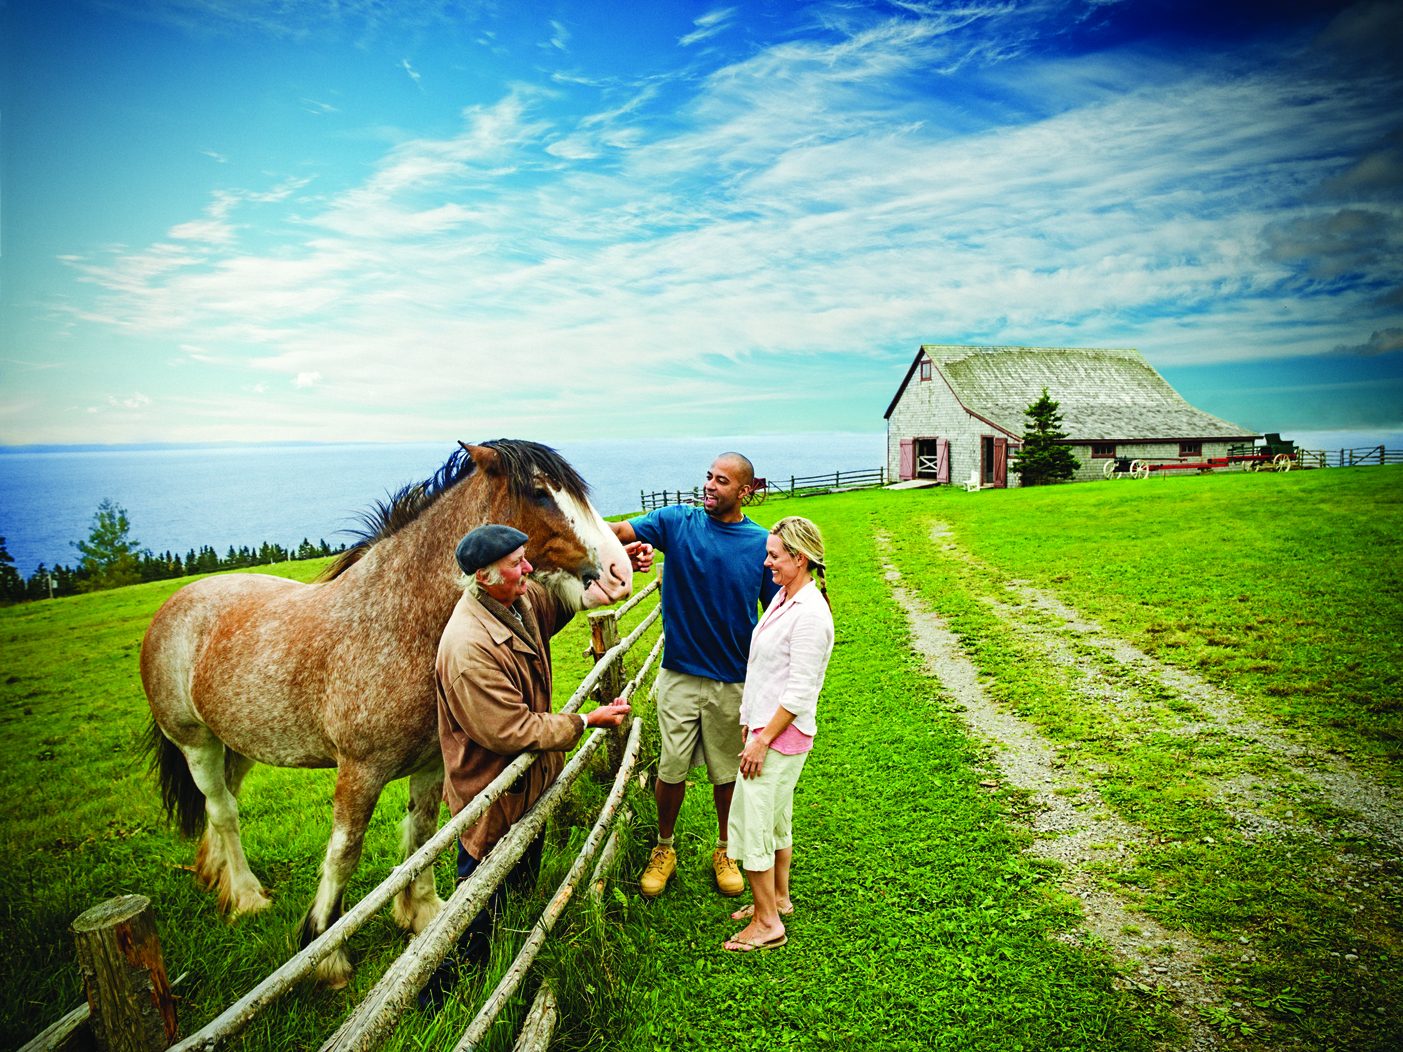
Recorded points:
789,652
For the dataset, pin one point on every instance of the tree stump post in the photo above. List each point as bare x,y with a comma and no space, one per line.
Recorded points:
129,999
603,634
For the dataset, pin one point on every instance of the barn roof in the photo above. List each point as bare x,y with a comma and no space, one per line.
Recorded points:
1106,395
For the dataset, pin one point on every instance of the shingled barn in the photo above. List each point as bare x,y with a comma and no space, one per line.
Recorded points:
959,410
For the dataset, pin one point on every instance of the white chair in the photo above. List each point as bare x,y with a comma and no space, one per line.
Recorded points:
972,486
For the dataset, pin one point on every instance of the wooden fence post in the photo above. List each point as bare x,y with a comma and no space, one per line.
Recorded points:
604,635
129,999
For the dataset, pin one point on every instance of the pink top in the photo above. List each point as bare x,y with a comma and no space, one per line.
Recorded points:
789,652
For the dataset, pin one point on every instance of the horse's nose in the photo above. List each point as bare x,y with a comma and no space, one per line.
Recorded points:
591,574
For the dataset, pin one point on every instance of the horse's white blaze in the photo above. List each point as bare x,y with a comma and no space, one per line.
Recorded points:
615,574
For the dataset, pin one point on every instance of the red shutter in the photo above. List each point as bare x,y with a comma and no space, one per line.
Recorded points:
908,458
1000,463
942,460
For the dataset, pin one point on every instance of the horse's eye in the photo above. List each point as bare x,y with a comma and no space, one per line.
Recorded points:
542,494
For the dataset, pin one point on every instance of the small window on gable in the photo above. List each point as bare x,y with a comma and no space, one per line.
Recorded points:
925,369
1191,449
1103,449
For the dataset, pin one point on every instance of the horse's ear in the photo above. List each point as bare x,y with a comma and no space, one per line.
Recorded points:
484,457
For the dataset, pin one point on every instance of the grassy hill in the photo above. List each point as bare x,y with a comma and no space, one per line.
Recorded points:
921,923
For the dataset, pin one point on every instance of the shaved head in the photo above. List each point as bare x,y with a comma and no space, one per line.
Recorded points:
743,468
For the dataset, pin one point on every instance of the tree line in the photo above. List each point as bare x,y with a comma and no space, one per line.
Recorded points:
112,558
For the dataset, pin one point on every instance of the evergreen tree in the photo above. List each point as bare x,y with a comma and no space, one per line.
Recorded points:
12,587
110,556
1044,457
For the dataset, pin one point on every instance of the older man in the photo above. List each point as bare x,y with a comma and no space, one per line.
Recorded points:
494,702
713,578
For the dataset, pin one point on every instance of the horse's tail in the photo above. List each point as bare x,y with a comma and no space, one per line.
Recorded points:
182,797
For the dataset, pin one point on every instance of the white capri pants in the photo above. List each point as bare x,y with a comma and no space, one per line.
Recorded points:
762,812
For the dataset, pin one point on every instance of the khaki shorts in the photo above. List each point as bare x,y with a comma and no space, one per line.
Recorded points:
762,812
699,720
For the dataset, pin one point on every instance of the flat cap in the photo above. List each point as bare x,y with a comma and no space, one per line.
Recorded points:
486,544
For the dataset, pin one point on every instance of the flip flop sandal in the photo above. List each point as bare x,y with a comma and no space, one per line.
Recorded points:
750,946
748,910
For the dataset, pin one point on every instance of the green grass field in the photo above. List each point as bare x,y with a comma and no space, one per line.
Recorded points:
919,922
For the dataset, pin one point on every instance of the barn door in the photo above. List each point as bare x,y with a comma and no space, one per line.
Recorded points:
942,460
908,458
1000,463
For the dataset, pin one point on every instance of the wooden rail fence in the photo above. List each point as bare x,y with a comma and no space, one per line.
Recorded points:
795,486
1349,458
374,1018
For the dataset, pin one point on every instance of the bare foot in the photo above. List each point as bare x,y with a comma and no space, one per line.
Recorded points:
748,911
755,937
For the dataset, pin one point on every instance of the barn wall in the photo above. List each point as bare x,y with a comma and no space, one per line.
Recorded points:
928,409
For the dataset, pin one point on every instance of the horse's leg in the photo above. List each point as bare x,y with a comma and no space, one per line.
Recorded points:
221,860
357,790
416,905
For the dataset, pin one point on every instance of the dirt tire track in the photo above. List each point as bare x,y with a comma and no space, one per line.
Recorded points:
1069,829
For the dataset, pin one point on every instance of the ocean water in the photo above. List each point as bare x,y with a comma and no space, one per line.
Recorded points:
178,499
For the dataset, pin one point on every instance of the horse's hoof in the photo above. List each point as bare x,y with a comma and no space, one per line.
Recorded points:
246,902
416,916
335,970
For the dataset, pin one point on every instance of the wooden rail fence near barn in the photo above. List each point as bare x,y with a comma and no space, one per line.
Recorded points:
794,486
373,1019
1351,458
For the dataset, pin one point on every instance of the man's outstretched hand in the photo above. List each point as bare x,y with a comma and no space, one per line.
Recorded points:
640,556
608,715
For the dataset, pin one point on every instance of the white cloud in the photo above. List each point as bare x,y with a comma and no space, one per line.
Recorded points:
708,25
560,38
410,70
805,205
217,156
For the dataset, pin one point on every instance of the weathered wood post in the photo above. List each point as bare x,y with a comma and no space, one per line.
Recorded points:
604,634
129,999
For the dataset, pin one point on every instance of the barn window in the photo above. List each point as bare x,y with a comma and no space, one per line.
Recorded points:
925,370
1191,449
1103,449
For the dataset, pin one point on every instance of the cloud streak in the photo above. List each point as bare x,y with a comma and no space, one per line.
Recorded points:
798,207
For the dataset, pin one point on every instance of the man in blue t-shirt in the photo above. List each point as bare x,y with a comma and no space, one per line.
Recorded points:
713,576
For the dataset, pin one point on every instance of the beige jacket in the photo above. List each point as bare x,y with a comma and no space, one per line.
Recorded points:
494,702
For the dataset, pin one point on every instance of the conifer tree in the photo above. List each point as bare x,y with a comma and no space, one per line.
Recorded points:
110,556
11,583
1044,457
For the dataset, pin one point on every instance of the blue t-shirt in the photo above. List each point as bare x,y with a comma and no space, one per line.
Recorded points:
712,577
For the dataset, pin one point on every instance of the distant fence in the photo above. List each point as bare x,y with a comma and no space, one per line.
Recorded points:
774,488
1348,458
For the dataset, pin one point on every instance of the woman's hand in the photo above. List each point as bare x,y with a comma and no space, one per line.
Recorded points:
752,757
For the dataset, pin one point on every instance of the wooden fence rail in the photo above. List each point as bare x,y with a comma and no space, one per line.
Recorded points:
467,899
795,486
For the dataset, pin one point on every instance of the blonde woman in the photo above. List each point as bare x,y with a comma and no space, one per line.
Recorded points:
789,652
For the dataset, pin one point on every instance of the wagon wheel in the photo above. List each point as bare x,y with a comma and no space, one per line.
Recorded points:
1283,462
755,497
1109,470
1140,469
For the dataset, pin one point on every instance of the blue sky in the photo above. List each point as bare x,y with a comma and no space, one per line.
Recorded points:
347,220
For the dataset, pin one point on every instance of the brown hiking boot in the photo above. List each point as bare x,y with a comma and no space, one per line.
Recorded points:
728,878
662,864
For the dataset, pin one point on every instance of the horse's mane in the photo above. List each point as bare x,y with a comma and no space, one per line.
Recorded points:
521,461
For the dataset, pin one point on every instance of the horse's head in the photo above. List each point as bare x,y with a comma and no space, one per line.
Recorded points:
574,552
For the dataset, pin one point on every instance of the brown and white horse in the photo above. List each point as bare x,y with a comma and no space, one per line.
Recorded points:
247,668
